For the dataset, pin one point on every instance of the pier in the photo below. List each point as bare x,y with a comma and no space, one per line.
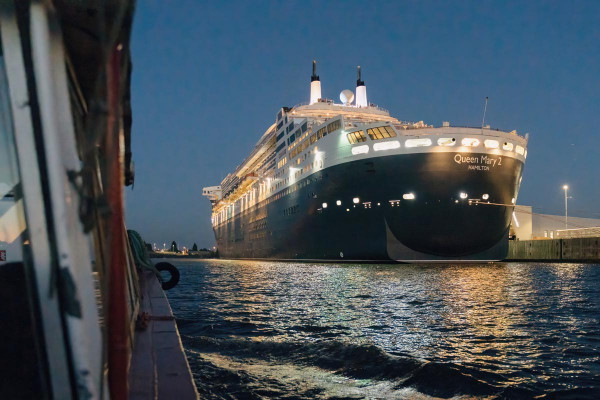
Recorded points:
584,249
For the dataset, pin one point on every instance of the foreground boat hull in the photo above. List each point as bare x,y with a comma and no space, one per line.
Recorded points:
374,222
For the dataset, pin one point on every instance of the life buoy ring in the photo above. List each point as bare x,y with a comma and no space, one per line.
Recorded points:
165,266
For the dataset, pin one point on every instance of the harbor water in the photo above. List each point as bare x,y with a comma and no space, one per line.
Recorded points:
284,330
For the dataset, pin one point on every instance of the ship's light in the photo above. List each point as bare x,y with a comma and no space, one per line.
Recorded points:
520,150
408,196
324,205
463,195
356,200
446,141
525,155
418,142
507,146
491,144
338,202
347,209
364,149
485,196
471,142
394,144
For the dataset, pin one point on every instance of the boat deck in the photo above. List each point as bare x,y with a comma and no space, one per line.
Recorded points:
159,369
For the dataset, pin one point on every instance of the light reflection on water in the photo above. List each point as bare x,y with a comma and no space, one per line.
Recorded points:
516,329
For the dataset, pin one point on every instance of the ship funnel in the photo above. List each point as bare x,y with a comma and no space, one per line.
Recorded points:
361,91
315,85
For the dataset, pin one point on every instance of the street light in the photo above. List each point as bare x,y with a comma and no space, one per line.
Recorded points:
566,188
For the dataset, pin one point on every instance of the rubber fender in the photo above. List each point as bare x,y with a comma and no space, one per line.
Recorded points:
165,266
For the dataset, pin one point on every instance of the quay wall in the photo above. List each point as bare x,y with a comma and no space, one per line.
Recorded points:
564,250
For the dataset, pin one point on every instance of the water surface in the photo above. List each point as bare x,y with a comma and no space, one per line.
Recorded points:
256,330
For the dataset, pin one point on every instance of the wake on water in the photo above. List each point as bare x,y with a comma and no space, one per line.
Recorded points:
262,333
249,369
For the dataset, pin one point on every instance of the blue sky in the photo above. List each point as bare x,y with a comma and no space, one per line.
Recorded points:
209,78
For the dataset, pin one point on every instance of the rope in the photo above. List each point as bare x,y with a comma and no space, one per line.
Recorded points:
140,253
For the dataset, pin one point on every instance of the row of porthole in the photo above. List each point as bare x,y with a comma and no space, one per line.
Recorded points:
411,196
446,142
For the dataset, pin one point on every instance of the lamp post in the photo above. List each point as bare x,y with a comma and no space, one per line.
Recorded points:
566,188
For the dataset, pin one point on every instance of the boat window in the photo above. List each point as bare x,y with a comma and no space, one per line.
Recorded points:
491,143
304,127
520,150
322,132
471,142
282,134
446,141
392,144
364,149
507,146
382,132
418,142
355,137
335,125
313,138
279,125
280,147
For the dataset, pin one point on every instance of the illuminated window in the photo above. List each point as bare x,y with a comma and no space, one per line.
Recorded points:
313,138
463,195
364,149
335,125
408,196
485,196
525,155
382,132
470,142
418,142
393,144
356,200
355,137
491,144
324,205
338,202
520,150
321,132
446,141
507,146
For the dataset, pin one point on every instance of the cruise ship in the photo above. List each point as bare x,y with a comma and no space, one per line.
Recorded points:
348,182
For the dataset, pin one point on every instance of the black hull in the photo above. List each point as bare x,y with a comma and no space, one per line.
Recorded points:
436,226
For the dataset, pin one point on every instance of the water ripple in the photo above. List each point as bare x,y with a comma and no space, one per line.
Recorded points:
297,330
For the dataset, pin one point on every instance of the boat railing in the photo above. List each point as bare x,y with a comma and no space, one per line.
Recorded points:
331,102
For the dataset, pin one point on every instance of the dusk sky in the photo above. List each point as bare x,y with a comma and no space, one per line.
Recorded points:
209,78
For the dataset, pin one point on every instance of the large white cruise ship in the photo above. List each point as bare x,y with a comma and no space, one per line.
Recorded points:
349,182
